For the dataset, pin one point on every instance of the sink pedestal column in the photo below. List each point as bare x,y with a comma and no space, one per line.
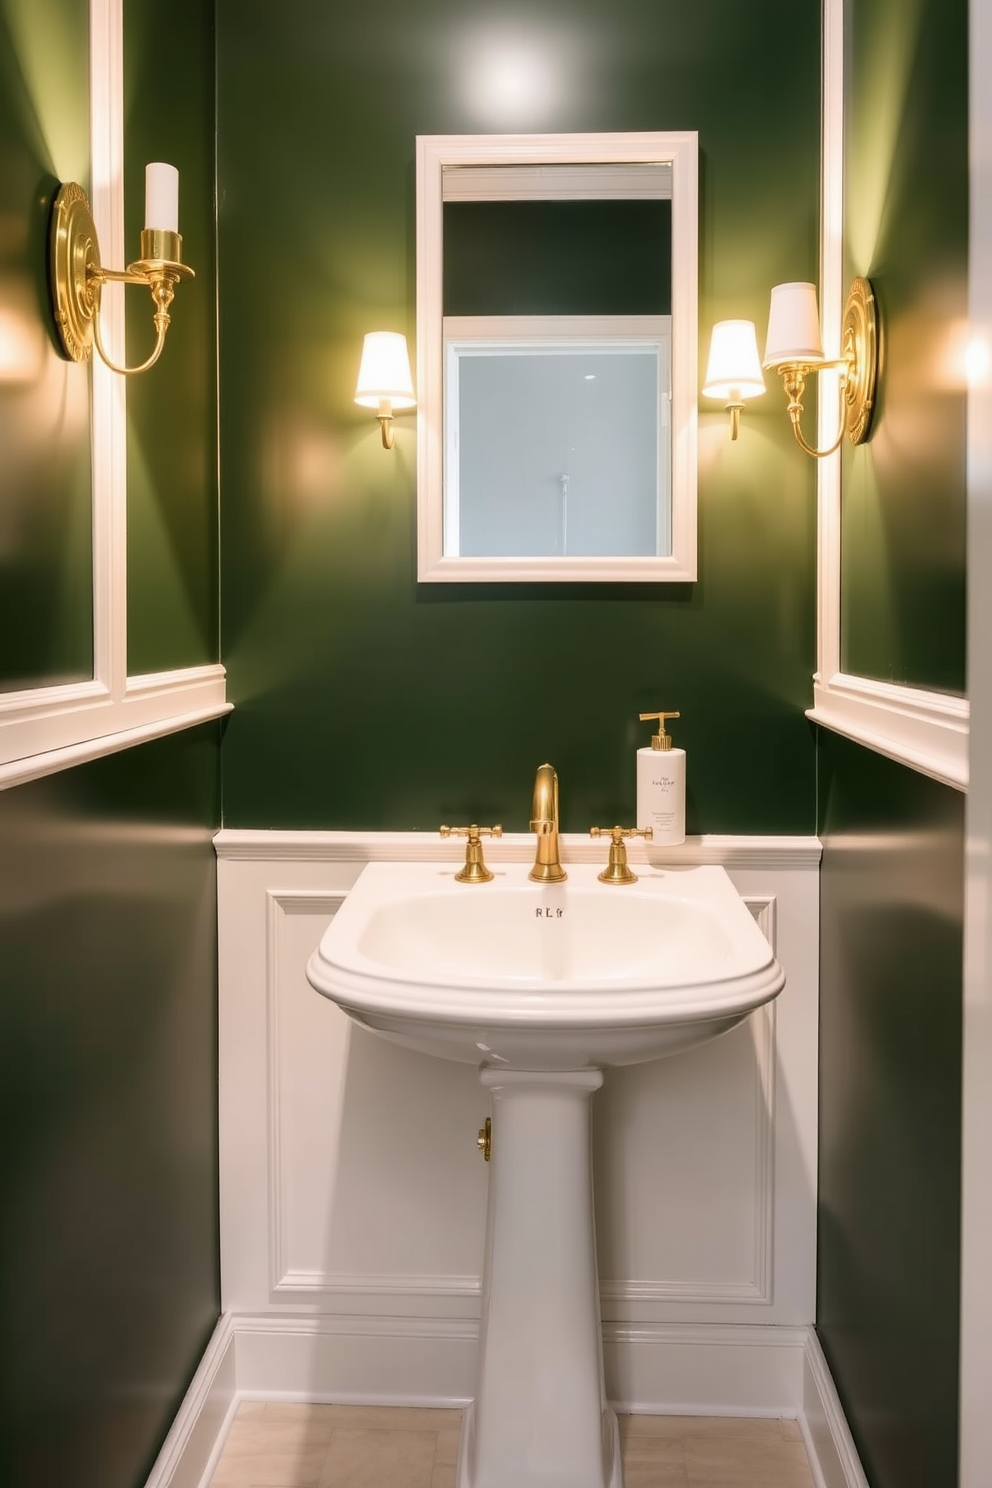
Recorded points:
540,1418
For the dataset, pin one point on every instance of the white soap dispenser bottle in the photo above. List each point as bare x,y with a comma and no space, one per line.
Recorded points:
661,786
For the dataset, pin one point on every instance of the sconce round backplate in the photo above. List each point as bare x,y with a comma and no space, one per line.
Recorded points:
73,252
860,349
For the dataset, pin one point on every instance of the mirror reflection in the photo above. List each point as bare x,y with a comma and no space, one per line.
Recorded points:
556,357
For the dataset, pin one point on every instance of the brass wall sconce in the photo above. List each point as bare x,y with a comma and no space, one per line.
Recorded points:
78,277
384,380
733,371
794,350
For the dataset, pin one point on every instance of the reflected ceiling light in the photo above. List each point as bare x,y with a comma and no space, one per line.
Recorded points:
384,380
78,277
511,83
794,349
733,371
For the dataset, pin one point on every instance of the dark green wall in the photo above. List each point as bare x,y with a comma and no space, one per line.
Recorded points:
108,1089
890,1110
172,595
363,700
906,227
46,610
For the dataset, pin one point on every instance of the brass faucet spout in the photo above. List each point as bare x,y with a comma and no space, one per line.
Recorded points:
544,822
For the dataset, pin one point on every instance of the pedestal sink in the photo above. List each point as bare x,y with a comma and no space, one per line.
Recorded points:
542,985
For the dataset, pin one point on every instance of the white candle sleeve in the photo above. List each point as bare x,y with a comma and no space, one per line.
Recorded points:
161,197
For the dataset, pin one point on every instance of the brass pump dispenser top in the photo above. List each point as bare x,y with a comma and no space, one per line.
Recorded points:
660,740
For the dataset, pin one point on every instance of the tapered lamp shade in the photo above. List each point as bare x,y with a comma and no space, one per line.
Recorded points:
384,374
793,327
733,371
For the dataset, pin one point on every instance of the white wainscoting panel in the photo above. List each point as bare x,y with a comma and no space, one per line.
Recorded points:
352,1192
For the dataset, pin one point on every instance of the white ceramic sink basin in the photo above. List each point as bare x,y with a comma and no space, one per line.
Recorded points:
529,976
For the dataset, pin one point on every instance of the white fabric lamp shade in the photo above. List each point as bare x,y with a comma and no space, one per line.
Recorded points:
384,374
793,327
733,371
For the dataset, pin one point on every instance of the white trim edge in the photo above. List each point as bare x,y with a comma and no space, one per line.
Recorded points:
210,703
193,1446
829,1443
927,731
253,845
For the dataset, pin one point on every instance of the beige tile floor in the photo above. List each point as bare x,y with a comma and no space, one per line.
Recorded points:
355,1446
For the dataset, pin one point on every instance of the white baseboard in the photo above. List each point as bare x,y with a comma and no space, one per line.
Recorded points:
357,1360
196,1439
832,1453
701,1369
652,1369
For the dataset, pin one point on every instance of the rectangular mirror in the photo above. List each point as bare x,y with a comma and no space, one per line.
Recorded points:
556,346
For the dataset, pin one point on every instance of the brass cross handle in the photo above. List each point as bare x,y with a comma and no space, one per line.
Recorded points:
475,870
617,870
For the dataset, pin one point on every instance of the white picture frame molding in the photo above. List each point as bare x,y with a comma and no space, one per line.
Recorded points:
928,731
43,729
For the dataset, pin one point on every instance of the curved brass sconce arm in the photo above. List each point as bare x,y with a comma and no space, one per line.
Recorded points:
77,278
859,373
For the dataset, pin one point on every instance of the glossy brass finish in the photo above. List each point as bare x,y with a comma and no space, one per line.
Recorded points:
74,263
475,870
618,870
662,739
544,821
484,1141
385,417
860,343
77,278
859,373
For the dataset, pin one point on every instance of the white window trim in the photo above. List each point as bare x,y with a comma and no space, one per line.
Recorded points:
927,731
44,729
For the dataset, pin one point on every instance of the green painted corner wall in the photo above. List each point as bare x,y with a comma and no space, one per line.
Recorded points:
891,884
888,1268
906,228
109,1284
363,700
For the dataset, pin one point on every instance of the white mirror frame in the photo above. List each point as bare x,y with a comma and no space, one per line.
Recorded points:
434,152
